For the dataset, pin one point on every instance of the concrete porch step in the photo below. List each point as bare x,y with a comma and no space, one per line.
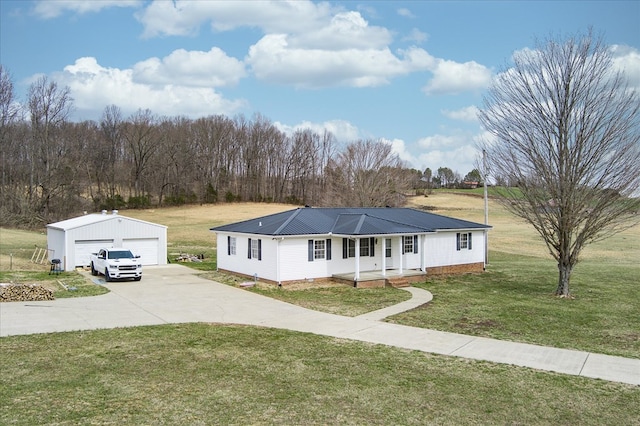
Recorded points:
398,282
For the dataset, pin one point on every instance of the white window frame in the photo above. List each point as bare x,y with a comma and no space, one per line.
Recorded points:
255,252
232,246
319,249
351,248
464,241
365,248
407,243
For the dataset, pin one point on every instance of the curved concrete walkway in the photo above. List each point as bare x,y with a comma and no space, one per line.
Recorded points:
175,294
418,298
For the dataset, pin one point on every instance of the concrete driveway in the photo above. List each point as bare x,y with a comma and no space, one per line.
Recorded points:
176,294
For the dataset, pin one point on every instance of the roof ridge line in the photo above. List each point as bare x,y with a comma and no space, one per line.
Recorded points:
286,222
363,216
400,223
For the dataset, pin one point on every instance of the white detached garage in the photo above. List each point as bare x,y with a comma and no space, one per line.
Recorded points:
73,240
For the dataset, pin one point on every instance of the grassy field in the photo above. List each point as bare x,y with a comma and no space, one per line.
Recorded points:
201,374
204,374
188,227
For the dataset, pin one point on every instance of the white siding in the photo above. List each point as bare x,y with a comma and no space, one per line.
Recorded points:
265,268
287,259
441,249
294,259
55,244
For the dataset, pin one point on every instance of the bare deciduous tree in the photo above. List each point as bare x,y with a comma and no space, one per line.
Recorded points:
141,135
566,129
9,107
9,114
110,153
366,174
49,109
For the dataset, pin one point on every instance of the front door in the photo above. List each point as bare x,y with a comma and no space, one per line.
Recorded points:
387,254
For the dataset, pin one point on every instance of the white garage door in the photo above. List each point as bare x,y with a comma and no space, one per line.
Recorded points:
146,248
84,248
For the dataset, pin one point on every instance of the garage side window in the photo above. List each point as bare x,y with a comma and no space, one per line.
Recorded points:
231,246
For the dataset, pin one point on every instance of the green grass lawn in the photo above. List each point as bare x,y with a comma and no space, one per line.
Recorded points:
200,374
514,300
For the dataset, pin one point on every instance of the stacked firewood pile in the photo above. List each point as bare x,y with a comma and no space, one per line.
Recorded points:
190,257
24,293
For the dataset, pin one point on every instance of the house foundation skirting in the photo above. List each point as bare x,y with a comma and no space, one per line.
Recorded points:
456,269
375,279
276,283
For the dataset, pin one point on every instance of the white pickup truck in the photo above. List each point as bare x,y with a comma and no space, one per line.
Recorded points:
116,263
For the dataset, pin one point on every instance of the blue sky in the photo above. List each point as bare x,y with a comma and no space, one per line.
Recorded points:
411,73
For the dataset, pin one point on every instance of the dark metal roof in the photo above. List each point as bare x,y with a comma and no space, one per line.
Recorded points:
348,221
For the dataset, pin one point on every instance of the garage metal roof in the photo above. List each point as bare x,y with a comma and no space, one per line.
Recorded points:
90,219
348,221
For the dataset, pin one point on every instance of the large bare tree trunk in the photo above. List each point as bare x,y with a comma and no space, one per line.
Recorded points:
564,277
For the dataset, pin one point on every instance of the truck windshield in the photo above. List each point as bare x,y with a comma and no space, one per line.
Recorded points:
121,254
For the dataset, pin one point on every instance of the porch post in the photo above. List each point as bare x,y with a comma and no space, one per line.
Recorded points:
356,275
384,257
278,261
423,255
401,245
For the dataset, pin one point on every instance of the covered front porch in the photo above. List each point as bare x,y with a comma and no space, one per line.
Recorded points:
389,277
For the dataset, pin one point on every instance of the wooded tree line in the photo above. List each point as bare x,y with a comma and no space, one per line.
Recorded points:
53,168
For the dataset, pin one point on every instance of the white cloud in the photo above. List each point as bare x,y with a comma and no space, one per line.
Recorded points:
47,9
183,17
274,60
416,36
406,13
399,147
451,77
469,114
342,130
94,87
442,141
313,45
461,159
627,59
347,30
190,68
458,152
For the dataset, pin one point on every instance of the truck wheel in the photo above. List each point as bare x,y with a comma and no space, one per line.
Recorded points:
137,278
93,270
107,277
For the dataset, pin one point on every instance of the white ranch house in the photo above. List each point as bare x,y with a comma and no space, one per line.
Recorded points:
368,247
